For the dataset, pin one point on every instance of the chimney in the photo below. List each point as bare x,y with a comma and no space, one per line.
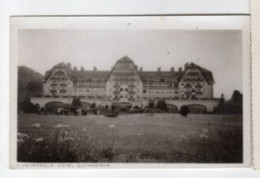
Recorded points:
159,69
180,69
172,69
75,68
141,69
95,69
81,68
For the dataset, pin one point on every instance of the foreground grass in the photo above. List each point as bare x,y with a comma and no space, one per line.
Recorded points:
130,138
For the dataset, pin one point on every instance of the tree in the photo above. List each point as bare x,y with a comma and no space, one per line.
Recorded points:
76,103
113,107
106,107
37,107
184,110
235,104
232,106
151,104
221,108
93,106
29,107
161,104
237,97
136,107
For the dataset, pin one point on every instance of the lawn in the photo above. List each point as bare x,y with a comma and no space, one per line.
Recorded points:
148,138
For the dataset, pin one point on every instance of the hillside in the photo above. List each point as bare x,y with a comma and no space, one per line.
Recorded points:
29,83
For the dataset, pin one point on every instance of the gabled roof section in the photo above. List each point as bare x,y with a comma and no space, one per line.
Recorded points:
124,59
48,73
60,65
206,73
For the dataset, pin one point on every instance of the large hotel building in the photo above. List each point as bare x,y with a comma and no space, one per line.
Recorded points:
126,83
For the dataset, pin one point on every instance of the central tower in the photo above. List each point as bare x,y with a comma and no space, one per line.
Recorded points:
124,84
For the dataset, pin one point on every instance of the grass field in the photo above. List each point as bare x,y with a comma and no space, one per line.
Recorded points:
130,138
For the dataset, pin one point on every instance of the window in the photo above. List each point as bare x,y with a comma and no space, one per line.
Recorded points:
62,91
53,85
53,91
144,91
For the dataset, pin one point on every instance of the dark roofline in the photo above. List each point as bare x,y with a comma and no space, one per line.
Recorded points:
73,74
207,74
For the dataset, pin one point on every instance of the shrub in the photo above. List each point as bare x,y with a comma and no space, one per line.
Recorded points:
184,110
151,104
161,104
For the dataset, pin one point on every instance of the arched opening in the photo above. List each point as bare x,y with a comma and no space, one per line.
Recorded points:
85,105
54,106
197,108
172,108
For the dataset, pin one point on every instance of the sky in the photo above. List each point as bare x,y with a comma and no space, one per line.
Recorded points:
218,51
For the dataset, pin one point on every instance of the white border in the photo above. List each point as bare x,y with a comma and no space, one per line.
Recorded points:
124,7
256,82
138,23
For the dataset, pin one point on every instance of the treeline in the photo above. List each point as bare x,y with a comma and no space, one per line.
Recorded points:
160,105
232,106
29,84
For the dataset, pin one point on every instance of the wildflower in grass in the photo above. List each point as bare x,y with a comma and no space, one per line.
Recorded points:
203,135
20,141
36,125
66,126
205,130
66,133
23,135
84,130
112,126
59,126
183,137
40,139
112,129
69,139
139,134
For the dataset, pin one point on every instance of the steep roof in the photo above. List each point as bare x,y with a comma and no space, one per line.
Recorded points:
104,75
162,74
62,64
91,75
205,72
124,59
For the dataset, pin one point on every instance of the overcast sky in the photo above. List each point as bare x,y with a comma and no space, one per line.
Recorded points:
217,51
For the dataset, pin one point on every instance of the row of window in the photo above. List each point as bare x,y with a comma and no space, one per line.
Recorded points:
59,73
58,91
161,85
84,80
58,78
193,93
89,86
123,72
55,85
160,92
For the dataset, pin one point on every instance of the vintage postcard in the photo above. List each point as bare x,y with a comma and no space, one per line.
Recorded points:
132,92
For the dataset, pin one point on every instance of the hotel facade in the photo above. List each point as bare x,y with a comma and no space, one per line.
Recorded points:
126,83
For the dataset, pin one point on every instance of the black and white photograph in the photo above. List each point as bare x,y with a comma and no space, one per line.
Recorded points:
130,90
